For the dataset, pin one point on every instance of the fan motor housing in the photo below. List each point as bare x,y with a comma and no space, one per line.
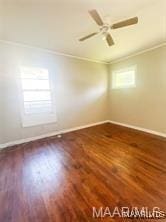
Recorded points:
104,29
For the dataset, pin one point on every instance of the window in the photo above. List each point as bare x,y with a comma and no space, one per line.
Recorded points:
37,102
124,78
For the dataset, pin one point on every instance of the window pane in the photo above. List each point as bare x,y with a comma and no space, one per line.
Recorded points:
37,96
38,107
124,78
35,84
34,73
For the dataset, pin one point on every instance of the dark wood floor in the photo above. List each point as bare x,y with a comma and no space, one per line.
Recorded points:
61,179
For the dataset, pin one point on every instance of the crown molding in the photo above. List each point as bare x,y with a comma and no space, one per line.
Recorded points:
123,58
138,53
53,52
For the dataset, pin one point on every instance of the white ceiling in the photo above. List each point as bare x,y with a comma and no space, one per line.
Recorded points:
57,25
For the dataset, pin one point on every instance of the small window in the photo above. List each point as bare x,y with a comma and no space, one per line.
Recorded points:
37,103
124,78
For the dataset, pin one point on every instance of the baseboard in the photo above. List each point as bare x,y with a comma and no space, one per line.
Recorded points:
21,141
139,128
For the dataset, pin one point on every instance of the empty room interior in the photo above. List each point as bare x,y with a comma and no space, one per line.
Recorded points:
82,110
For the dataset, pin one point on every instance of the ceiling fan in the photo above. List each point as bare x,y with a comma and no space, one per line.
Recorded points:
105,28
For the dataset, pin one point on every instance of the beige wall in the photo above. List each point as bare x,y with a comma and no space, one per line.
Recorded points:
80,91
145,105
1,109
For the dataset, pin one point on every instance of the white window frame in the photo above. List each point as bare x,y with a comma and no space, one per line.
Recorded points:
120,71
29,120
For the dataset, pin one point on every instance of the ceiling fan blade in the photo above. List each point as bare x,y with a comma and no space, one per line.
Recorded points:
88,36
95,15
109,40
124,23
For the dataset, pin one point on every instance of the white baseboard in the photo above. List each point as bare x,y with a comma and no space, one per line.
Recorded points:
139,128
21,141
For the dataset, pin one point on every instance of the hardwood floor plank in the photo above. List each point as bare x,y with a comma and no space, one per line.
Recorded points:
61,179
